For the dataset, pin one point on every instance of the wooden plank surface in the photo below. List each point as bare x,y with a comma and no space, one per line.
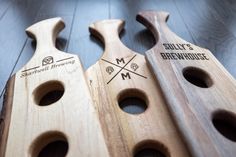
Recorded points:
209,30
81,42
17,15
13,24
4,6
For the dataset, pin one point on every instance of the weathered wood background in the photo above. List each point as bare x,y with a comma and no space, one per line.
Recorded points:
207,23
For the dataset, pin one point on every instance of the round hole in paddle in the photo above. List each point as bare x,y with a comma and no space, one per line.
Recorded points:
52,144
225,124
132,101
48,93
198,77
151,149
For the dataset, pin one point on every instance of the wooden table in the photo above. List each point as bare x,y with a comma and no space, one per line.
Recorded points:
210,24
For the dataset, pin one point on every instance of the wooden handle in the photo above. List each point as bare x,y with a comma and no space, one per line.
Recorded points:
200,93
108,32
51,103
101,29
152,20
45,32
122,76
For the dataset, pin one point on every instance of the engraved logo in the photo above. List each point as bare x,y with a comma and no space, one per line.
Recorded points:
109,70
134,66
47,60
124,72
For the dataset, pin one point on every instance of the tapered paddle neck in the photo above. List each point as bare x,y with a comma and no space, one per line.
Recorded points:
108,32
45,33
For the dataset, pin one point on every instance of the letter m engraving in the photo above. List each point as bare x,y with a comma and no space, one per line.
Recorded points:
120,60
124,76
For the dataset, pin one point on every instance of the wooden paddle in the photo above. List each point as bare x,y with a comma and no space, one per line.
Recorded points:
200,93
48,104
131,108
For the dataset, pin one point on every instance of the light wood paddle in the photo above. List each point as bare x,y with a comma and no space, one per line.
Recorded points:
48,104
131,108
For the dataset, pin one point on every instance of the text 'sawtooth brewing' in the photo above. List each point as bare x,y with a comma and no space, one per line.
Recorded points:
46,68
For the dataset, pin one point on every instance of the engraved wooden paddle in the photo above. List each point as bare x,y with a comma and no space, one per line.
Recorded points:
48,102
131,108
200,93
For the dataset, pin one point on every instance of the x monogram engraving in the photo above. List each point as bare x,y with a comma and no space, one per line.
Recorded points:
134,66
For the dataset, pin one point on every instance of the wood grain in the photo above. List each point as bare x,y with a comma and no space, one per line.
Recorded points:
6,115
122,73
36,121
198,90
